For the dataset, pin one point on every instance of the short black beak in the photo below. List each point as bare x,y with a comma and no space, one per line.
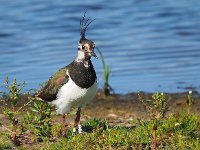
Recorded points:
94,55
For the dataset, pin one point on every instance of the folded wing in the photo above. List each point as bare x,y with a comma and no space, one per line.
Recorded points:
52,86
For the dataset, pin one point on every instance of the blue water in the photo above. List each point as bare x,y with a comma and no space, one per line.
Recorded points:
150,45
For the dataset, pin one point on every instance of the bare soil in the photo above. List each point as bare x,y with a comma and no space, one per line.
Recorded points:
122,109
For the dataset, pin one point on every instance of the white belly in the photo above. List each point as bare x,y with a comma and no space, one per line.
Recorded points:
70,95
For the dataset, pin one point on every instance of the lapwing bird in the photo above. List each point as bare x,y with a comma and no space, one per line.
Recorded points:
75,84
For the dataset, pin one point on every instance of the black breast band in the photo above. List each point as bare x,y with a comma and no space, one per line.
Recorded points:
81,75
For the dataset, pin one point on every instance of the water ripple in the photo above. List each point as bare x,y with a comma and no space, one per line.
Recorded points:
150,45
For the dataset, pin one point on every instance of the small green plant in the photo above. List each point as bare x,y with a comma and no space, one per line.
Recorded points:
189,101
156,108
10,106
93,124
182,130
39,118
106,74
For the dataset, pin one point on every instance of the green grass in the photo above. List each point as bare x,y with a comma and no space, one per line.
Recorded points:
38,128
106,74
173,132
102,137
99,135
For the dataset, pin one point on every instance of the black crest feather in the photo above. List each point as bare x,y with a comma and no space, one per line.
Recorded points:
84,23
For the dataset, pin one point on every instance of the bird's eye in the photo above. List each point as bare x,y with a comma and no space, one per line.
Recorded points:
83,46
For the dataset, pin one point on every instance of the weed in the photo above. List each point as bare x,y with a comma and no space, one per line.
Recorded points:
189,101
39,118
12,98
156,108
93,124
106,74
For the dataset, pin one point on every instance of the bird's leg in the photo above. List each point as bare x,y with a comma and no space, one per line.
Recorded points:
78,117
77,120
64,126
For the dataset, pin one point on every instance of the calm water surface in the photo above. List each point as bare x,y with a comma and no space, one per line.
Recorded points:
150,45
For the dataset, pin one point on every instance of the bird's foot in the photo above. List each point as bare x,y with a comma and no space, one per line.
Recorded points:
64,126
64,130
78,129
77,125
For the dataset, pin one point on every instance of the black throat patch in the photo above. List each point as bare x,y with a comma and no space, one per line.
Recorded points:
81,75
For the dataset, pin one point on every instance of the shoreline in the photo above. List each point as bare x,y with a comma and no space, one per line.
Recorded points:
127,107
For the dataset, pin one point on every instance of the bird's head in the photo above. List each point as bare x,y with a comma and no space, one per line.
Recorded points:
85,46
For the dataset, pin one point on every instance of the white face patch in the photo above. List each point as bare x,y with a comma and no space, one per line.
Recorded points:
80,57
83,50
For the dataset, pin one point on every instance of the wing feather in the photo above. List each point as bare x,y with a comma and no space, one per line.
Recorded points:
52,86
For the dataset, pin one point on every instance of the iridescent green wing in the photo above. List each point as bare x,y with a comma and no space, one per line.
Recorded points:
52,86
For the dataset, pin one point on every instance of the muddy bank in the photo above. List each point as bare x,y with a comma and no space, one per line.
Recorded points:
125,108
128,107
